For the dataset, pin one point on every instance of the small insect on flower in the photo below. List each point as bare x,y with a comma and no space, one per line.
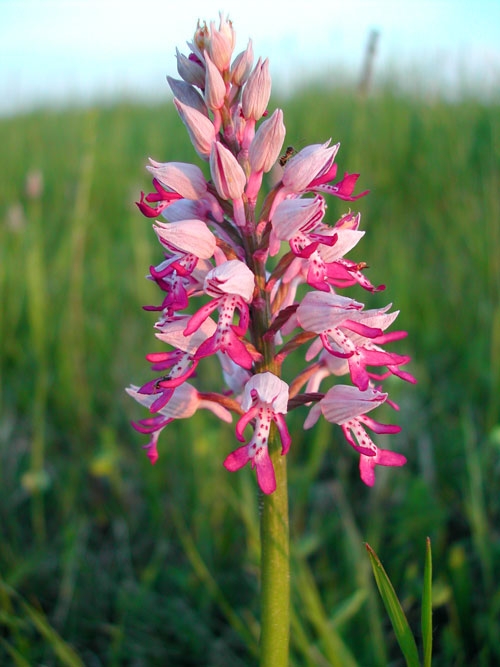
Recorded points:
158,382
290,152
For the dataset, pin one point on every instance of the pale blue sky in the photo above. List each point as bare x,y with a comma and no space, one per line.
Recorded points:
59,50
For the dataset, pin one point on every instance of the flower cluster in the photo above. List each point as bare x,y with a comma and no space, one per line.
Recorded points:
232,269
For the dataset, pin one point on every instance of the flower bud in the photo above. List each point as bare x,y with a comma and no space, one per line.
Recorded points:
187,94
267,143
190,70
228,176
200,128
221,44
215,88
242,65
257,91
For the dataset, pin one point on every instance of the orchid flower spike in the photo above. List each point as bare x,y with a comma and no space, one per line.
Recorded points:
250,272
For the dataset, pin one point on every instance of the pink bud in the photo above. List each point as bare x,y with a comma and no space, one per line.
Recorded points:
190,70
200,128
266,145
257,91
242,65
221,44
229,178
187,94
215,88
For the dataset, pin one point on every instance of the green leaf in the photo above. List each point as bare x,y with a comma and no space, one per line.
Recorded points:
399,622
427,606
18,659
64,651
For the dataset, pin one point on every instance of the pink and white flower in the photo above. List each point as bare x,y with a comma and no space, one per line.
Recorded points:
347,406
265,400
185,401
216,247
348,333
232,285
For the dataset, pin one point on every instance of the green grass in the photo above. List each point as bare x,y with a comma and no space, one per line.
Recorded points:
105,560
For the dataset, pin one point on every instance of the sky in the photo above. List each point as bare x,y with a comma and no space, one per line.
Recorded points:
61,51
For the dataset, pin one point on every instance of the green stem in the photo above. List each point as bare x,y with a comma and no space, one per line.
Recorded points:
274,537
275,566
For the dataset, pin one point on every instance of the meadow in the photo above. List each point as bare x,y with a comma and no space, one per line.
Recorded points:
107,560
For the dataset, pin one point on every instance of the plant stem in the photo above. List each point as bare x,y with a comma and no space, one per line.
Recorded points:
275,566
274,533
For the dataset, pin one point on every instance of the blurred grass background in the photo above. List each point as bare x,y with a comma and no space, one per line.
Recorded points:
105,560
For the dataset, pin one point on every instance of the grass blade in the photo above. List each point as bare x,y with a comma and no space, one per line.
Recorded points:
64,651
399,622
17,658
427,606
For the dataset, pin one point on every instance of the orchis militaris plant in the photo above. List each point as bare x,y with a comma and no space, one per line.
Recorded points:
234,258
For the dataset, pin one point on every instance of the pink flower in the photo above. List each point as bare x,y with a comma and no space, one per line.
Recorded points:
215,88
161,197
232,285
180,276
184,403
295,221
267,143
312,163
253,313
191,237
265,400
354,336
347,406
180,361
264,151
185,179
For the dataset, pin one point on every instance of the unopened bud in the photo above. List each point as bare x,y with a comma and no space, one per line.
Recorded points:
190,70
221,44
215,88
200,128
242,65
257,91
267,143
229,178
